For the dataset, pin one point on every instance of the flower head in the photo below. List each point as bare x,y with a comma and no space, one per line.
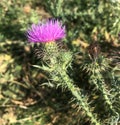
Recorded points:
50,31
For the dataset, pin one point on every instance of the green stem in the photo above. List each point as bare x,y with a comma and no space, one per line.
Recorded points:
105,94
78,96
99,83
66,82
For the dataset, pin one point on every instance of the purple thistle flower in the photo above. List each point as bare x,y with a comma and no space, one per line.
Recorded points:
50,31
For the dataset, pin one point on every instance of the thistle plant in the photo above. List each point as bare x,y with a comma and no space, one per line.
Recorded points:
56,61
96,67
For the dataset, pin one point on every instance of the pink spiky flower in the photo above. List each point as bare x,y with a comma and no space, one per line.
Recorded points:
50,31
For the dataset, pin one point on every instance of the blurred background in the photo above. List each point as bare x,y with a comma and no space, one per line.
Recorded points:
23,100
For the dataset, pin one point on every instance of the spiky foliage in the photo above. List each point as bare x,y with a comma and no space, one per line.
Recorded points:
57,68
96,66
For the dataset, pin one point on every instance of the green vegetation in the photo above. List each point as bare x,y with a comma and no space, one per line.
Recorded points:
27,94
